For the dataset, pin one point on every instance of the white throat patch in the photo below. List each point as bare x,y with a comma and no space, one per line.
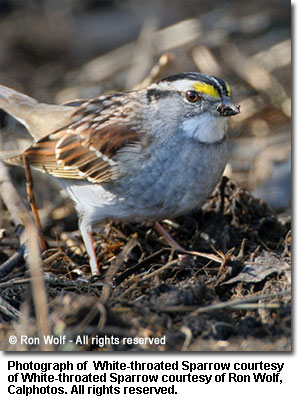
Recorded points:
205,128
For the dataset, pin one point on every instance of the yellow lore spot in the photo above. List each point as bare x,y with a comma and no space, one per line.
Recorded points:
206,88
228,89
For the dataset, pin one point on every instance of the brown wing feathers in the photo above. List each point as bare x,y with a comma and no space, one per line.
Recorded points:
84,149
73,153
92,152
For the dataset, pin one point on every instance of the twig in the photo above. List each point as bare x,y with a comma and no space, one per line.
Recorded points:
188,337
163,61
32,202
137,266
209,256
53,257
9,310
113,269
250,306
168,238
131,288
14,281
233,303
152,274
21,215
12,262
38,286
244,303
176,246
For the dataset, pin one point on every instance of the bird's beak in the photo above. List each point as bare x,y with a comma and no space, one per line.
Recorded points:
226,108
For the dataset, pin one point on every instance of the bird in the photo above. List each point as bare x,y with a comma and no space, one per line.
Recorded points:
143,155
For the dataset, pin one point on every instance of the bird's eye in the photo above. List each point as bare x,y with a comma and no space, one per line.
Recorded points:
192,96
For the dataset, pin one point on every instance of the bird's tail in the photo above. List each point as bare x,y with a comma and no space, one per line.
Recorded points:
39,119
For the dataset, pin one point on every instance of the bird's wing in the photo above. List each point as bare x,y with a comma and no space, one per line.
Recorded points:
86,148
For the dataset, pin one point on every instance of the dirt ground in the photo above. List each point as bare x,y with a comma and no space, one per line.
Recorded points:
229,288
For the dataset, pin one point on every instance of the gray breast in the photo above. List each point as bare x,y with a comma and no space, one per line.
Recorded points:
172,183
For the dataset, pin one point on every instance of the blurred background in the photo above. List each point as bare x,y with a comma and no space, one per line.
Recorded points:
58,50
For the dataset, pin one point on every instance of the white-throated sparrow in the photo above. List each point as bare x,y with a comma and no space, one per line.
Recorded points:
147,154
